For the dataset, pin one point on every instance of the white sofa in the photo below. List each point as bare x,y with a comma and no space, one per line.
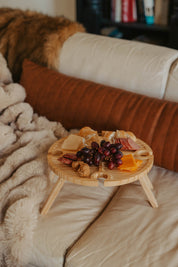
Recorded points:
111,226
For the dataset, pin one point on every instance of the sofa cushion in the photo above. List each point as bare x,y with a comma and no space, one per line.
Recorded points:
74,209
77,103
171,92
130,232
134,66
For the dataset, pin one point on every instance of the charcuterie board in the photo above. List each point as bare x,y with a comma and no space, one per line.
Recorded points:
114,177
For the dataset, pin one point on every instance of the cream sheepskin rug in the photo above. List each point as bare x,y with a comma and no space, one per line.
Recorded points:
25,138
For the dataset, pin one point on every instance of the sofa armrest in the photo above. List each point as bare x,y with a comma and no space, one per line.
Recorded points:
171,92
130,65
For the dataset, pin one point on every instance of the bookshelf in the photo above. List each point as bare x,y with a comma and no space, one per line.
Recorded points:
95,15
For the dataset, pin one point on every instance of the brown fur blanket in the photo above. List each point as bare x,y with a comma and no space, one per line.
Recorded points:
32,35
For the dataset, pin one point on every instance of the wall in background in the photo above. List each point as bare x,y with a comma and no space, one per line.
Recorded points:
51,7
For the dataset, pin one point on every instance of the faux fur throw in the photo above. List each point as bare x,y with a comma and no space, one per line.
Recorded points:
32,35
24,175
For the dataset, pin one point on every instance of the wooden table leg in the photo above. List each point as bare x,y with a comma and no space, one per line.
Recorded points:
52,196
147,187
149,183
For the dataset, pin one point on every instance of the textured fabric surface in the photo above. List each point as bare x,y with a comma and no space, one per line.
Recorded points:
74,209
130,232
24,172
33,35
77,103
134,66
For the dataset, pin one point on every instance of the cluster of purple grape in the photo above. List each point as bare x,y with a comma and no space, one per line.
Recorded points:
105,152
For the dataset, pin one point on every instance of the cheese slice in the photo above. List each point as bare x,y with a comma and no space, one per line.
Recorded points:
72,142
129,163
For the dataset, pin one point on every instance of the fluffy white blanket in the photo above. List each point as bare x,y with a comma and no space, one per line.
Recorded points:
25,138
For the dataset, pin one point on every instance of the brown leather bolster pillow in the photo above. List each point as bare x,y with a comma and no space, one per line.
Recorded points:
77,103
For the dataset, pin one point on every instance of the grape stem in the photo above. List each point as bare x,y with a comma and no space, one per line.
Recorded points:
101,167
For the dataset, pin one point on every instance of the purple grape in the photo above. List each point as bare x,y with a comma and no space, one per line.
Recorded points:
85,150
94,145
113,150
90,162
79,154
111,165
102,143
118,155
118,162
102,157
118,145
97,156
112,145
107,144
87,160
101,150
96,162
92,151
106,152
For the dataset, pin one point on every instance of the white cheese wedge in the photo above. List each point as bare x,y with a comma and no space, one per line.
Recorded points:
73,142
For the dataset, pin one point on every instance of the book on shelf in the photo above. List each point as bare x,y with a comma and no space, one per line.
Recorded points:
116,10
140,11
129,12
175,7
149,11
144,11
113,2
106,9
161,12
